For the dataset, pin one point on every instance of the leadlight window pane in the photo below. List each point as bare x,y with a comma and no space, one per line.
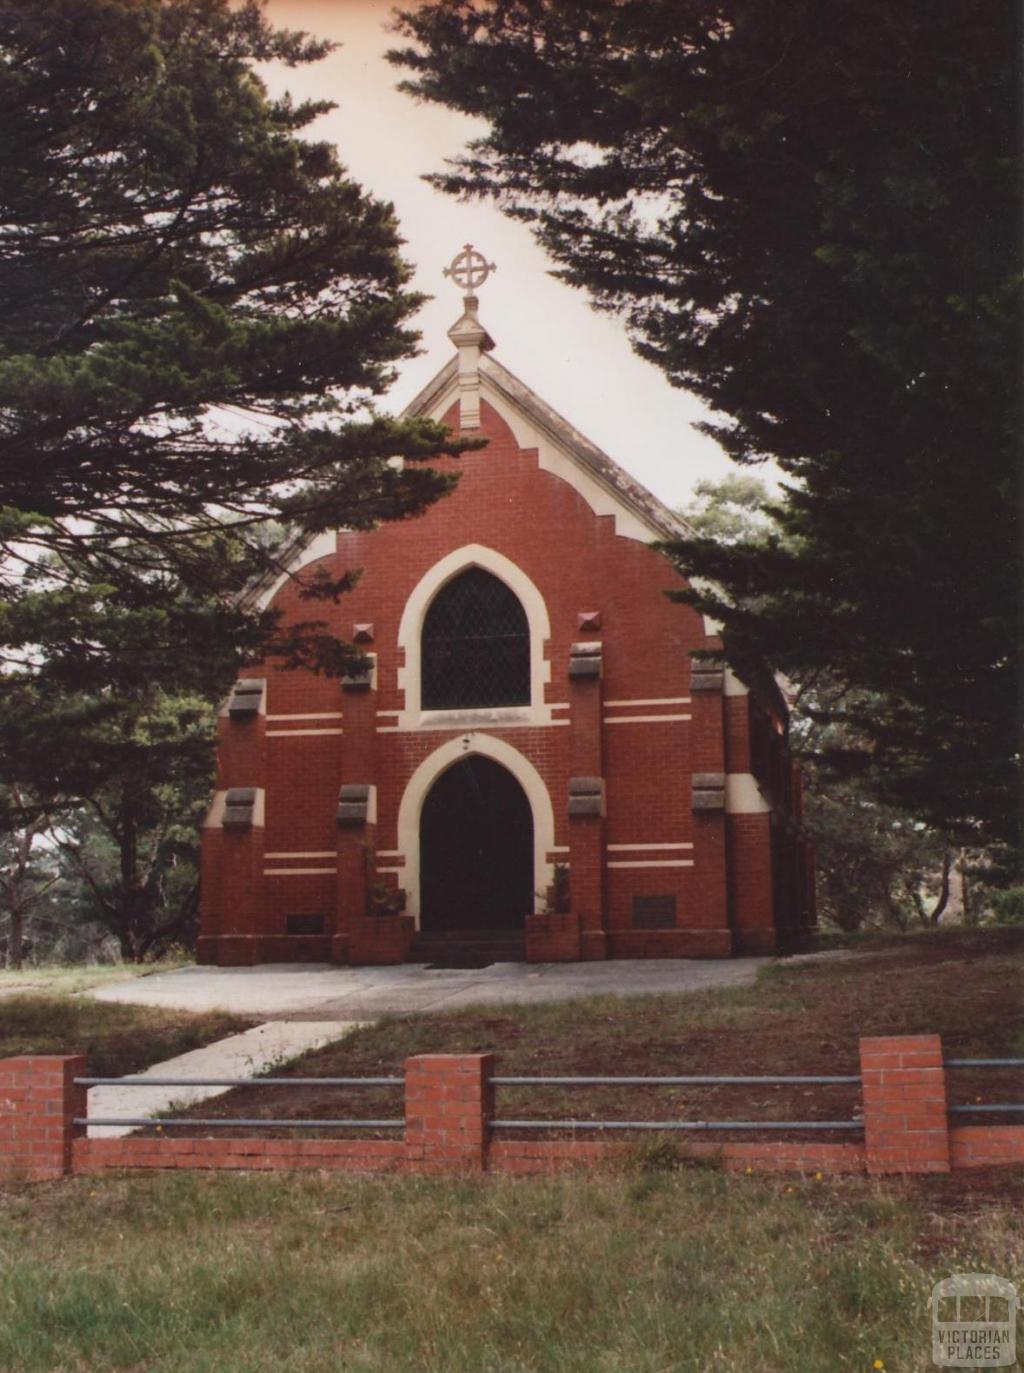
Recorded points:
476,645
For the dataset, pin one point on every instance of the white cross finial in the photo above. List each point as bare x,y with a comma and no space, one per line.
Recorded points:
469,269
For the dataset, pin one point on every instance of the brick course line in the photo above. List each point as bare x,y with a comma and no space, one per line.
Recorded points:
319,853
654,701
641,719
299,733
655,863
431,727
297,872
621,848
309,715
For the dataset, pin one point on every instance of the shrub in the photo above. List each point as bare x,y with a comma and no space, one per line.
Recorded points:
1008,906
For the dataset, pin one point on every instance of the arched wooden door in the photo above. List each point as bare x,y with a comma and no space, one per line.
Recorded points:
476,850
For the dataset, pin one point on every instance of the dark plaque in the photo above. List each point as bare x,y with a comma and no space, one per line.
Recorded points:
305,924
654,912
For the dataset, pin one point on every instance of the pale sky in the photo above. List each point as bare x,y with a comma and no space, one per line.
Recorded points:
578,361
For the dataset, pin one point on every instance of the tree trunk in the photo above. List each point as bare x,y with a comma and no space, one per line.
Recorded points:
19,896
16,942
943,899
131,898
896,916
160,938
965,895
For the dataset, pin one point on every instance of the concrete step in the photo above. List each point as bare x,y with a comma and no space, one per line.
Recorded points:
467,948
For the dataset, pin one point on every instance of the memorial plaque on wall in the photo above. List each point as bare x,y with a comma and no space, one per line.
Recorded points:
305,924
654,912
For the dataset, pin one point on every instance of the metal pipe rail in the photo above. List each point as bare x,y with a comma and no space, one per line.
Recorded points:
984,1063
239,1081
999,1108
171,1123
677,1124
499,1081
1002,1106
158,1123
702,1081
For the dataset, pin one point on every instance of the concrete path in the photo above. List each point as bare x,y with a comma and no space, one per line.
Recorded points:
320,992
245,1055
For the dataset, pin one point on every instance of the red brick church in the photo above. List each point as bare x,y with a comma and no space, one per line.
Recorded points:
534,766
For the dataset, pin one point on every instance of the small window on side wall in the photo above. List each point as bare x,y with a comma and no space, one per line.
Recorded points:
476,645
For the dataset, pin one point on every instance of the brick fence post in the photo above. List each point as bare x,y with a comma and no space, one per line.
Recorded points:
906,1127
449,1102
38,1103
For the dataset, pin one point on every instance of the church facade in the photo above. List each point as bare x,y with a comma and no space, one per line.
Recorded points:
534,766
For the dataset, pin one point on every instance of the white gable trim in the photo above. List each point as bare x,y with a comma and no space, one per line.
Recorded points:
561,449
556,457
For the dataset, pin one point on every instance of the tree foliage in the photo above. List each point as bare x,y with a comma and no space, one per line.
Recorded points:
112,735
877,864
806,214
27,877
199,308
132,844
734,509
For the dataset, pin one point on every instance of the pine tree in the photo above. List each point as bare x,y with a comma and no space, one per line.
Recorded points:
807,214
199,307
131,846
873,861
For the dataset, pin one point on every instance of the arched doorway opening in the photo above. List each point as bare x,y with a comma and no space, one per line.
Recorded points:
476,850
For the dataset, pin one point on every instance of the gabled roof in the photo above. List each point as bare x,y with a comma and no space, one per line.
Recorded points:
591,462
662,521
606,486
589,468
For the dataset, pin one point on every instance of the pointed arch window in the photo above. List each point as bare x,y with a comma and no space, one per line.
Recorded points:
476,645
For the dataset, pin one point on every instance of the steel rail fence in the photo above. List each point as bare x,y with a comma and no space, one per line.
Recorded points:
688,1080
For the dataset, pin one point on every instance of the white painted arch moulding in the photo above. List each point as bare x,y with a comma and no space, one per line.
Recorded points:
410,631
419,784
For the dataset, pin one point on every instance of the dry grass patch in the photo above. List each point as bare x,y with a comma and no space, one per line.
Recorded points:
69,978
116,1039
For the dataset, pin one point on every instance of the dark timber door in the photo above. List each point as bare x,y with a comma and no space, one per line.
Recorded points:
476,850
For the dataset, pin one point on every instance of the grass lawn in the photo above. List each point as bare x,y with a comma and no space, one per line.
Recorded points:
797,1019
79,977
116,1039
647,1267
626,1272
